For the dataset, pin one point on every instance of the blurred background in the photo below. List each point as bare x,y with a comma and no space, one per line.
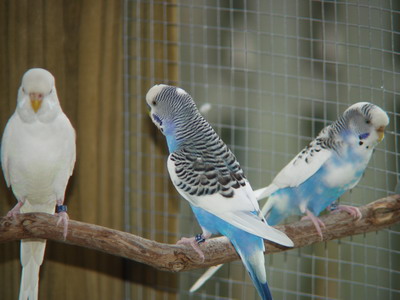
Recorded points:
268,75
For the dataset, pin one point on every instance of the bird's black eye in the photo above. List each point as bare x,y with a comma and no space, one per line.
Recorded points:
367,121
154,102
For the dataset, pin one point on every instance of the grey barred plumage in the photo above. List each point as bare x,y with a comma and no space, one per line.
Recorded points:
205,166
366,109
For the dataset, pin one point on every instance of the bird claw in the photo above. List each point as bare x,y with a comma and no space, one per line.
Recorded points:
16,210
352,210
63,219
316,221
194,243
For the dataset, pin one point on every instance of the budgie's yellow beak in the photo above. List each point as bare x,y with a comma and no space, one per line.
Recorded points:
381,133
36,101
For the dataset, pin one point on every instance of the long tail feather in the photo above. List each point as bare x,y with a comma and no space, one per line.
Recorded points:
203,278
32,253
266,209
251,250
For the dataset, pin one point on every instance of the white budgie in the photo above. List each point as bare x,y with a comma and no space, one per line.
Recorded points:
37,156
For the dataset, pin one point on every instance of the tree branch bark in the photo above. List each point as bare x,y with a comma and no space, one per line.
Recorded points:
375,216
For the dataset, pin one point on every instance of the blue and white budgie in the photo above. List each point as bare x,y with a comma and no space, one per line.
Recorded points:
37,157
207,174
329,166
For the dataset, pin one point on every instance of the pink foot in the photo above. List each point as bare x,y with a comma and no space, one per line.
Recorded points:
352,210
316,221
63,219
194,243
15,210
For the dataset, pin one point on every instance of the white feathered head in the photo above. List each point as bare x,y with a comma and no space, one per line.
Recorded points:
37,96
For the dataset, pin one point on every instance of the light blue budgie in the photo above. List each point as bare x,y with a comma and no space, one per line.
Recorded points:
207,174
329,166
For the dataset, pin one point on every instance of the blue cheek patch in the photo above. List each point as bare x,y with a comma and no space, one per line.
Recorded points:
157,119
363,136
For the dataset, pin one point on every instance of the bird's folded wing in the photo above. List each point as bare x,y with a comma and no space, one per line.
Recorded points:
298,170
303,166
239,212
5,151
71,137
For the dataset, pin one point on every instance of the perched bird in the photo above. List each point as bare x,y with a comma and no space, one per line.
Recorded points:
329,166
207,174
37,157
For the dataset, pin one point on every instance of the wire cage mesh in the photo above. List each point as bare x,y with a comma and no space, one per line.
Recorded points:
268,76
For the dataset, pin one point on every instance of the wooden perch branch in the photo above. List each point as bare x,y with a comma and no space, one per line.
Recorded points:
375,216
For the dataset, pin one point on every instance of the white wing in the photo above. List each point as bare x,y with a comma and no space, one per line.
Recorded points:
299,169
5,151
302,167
67,155
70,144
307,162
310,159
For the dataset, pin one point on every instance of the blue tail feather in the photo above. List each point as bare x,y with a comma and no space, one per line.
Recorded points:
251,250
249,247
